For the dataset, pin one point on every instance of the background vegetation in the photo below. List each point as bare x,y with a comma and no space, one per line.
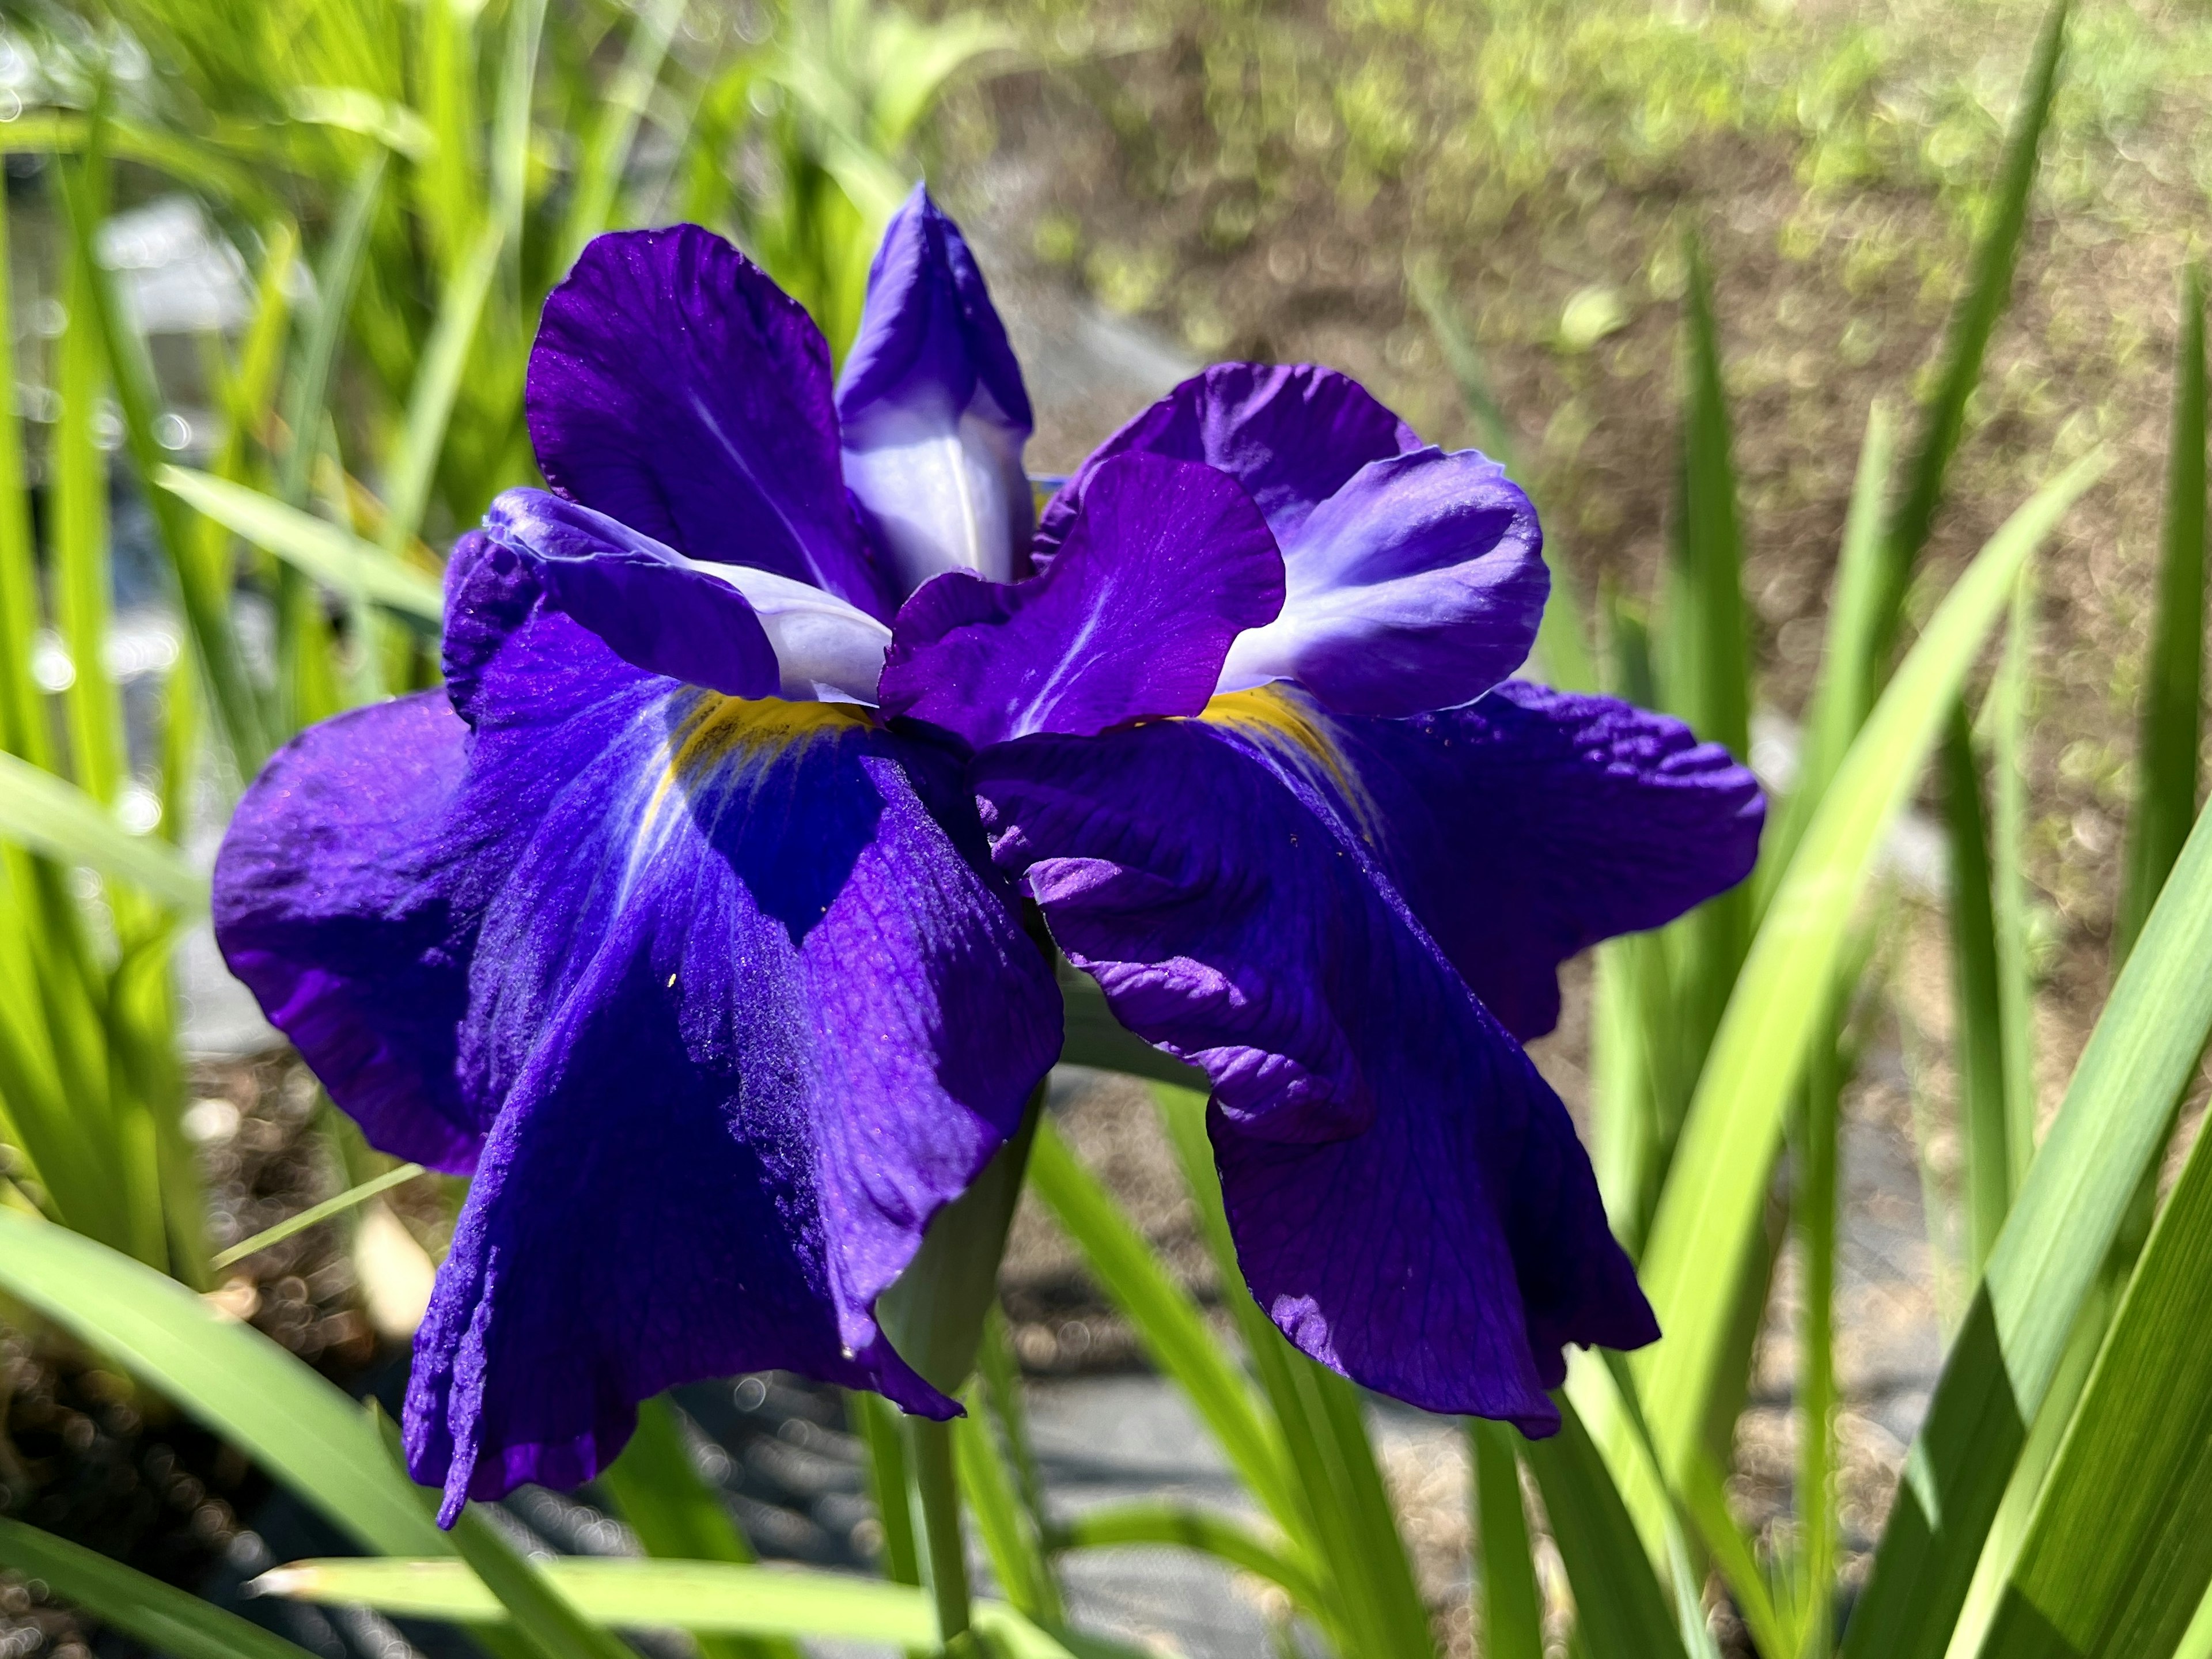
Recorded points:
1809,328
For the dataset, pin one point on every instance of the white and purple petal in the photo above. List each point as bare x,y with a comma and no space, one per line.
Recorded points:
1417,585
675,388
934,411
1410,1204
656,610
728,994
1415,578
1168,562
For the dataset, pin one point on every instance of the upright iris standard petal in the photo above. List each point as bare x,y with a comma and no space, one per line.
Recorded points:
727,991
1293,434
1409,1202
674,387
1529,826
933,410
328,907
1167,564
656,611
1419,584
1415,578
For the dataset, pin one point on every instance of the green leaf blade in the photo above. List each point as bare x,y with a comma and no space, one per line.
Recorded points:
166,1618
1711,1201
2108,1134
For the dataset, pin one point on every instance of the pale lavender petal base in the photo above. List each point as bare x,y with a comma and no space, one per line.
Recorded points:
934,410
637,595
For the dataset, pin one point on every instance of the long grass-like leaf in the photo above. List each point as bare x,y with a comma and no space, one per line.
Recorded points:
1620,1611
204,595
989,1489
1710,1206
2120,1550
22,714
545,1623
1343,1518
2108,1135
333,556
1222,1536
317,1212
336,276
701,1596
437,382
1841,695
677,1515
1167,1320
166,1618
1978,1013
54,817
1974,320
2006,712
1512,1607
2173,686
591,209
298,1427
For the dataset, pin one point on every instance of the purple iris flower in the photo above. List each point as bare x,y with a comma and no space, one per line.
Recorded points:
688,917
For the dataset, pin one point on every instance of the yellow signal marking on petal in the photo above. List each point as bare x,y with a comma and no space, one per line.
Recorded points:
1282,721
718,726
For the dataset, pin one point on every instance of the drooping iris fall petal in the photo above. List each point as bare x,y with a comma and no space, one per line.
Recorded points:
722,997
329,907
1525,828
1409,1202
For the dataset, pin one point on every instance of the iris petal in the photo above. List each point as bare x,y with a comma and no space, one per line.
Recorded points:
934,410
675,388
730,991
328,905
1167,563
1409,1200
1527,827
1419,584
657,611
1415,578
1293,434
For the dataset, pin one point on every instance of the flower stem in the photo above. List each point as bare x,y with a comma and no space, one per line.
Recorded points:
941,1515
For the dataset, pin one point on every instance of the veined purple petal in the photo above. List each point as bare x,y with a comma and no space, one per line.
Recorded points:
328,907
675,388
1168,562
934,410
657,611
1293,434
731,995
1528,826
1410,1204
1417,585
